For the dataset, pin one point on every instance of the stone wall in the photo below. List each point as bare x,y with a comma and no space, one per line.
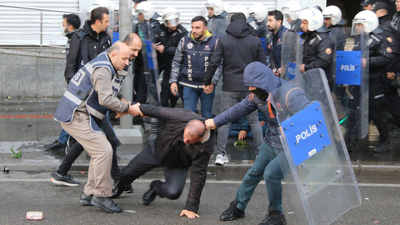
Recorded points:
31,74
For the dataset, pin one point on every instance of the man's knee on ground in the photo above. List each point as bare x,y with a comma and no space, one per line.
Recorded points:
172,193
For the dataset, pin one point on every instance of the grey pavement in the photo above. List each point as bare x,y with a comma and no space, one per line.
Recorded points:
22,192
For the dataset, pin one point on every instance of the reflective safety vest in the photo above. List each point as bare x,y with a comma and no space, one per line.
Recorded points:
81,89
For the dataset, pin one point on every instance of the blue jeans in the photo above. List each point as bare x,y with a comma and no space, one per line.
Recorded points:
266,165
63,138
191,97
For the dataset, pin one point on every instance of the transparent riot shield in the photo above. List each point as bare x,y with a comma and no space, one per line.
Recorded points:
151,74
150,63
291,56
351,90
317,168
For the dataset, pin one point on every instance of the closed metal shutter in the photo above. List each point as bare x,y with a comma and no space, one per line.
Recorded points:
22,27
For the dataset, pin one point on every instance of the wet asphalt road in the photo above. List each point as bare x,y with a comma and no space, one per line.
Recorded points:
22,192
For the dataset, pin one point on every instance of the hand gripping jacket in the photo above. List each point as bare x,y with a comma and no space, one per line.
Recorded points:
81,89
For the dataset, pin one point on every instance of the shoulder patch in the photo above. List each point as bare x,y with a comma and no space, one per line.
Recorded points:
389,39
328,51
389,50
190,45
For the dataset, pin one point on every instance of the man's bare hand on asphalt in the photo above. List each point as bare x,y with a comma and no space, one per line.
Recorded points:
189,214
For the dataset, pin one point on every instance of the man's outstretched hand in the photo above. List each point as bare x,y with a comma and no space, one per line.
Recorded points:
134,110
210,124
189,214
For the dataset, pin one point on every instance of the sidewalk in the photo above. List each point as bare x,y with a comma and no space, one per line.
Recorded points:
27,125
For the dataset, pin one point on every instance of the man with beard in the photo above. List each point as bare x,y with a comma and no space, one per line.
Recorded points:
71,24
190,63
275,20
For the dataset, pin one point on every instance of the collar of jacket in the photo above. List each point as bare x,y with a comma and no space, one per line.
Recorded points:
208,35
278,32
88,29
69,34
383,19
309,35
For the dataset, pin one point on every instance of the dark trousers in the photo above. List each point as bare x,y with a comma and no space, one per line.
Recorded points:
392,103
376,104
76,149
140,85
167,98
145,161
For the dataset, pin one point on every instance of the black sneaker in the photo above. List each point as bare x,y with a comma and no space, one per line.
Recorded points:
56,144
383,146
107,204
66,180
232,212
117,190
86,200
395,133
274,218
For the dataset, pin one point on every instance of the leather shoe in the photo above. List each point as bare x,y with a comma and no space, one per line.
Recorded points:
107,204
117,190
86,199
151,194
55,145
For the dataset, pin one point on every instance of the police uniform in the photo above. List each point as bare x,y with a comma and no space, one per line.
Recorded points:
380,56
338,36
392,99
91,92
318,52
170,40
295,25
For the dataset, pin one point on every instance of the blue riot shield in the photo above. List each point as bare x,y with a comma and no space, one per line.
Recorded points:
291,56
351,89
317,168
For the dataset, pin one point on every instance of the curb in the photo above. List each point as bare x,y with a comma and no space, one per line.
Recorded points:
228,169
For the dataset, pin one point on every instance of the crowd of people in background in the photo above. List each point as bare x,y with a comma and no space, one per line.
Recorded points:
208,63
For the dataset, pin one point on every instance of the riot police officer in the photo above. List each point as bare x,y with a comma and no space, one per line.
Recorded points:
171,33
392,99
290,10
334,22
217,18
380,54
258,13
148,28
317,45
